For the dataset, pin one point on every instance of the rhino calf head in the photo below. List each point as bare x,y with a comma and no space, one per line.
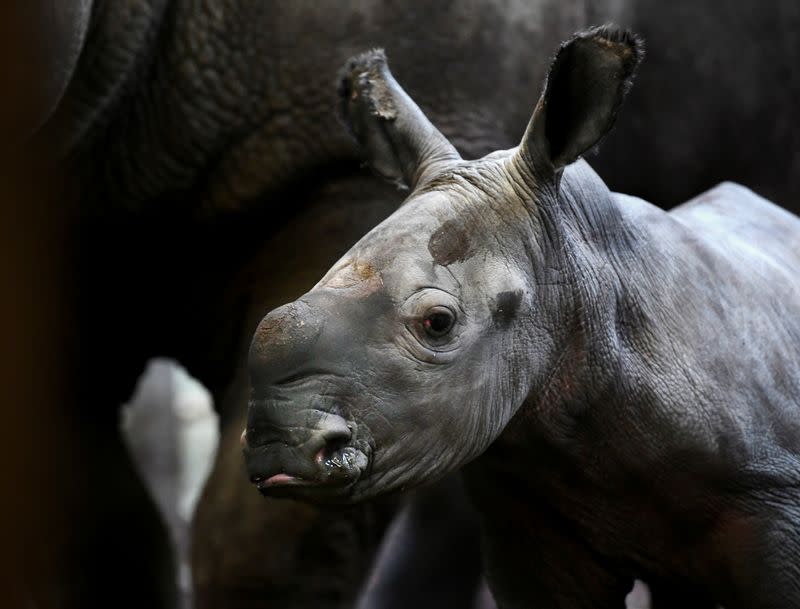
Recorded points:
415,350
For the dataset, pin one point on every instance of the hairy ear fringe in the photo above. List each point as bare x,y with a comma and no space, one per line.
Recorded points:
628,46
398,140
615,35
362,74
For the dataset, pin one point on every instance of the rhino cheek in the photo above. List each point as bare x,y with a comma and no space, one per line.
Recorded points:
411,459
422,439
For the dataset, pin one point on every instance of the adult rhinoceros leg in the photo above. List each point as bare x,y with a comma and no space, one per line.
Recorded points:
430,556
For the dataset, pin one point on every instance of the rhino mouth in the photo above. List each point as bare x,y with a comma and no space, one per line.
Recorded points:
285,483
303,443
277,470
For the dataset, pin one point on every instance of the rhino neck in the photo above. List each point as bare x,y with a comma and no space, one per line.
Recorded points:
598,318
628,346
586,253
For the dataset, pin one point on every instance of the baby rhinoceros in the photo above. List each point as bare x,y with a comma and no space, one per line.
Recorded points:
623,382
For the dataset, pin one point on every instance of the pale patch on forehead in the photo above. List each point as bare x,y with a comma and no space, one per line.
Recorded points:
353,274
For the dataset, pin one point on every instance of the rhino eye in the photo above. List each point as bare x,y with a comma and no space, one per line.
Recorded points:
438,321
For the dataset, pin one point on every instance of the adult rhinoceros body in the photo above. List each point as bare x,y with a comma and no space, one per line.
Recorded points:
633,373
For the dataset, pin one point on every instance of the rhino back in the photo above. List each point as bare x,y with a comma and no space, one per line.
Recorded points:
735,216
721,275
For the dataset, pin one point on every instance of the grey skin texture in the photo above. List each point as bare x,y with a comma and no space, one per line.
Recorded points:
202,180
622,383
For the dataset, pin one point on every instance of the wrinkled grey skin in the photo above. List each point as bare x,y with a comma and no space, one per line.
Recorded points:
628,379
209,183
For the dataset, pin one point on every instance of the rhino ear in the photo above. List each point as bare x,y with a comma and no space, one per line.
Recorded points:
399,141
588,80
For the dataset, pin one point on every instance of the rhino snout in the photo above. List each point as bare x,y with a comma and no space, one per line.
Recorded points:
281,344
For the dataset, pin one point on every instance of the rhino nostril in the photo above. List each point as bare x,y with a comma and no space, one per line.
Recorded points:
335,443
335,440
